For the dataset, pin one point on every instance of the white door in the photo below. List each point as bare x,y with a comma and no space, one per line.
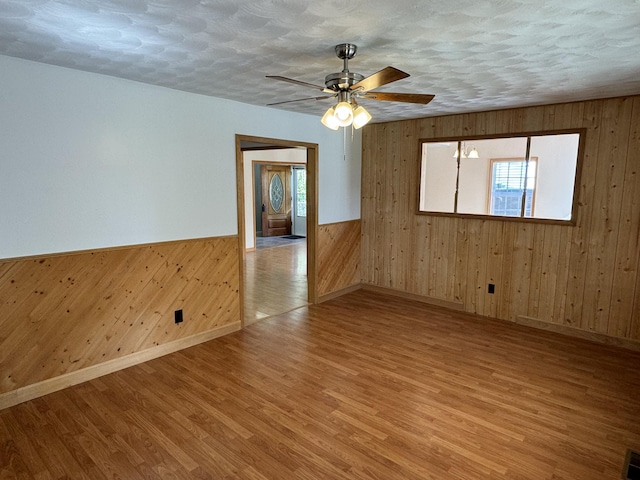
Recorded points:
299,200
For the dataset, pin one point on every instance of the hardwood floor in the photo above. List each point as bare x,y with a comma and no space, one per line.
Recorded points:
364,386
275,280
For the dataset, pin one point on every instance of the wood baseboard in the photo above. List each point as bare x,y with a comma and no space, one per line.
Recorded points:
626,343
51,385
578,333
339,293
439,302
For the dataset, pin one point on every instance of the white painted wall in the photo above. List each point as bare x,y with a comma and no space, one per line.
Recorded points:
287,155
90,161
557,155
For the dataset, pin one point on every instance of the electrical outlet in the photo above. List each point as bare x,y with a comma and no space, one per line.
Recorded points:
178,316
491,289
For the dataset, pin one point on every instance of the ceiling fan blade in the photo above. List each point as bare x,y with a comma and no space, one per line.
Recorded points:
298,100
296,82
384,76
399,97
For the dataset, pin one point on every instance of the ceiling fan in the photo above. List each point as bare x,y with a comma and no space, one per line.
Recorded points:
349,86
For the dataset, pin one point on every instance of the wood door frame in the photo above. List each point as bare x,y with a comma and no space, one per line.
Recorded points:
312,211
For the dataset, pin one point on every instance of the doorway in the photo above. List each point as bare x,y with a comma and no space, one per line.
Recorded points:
311,219
284,172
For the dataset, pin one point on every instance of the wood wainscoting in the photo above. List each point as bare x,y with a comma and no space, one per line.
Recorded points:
338,258
66,318
584,276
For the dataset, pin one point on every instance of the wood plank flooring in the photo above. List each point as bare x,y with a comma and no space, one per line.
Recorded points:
275,280
364,386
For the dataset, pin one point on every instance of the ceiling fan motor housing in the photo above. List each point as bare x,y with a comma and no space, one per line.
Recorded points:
342,80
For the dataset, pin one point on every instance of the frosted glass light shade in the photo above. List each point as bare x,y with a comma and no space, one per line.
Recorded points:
329,120
360,117
344,114
473,153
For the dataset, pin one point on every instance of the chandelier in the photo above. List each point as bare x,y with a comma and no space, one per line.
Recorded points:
463,152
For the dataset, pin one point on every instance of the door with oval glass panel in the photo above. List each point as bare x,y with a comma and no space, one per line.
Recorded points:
276,200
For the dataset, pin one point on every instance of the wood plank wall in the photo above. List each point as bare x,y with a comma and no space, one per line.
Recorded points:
64,313
338,257
583,276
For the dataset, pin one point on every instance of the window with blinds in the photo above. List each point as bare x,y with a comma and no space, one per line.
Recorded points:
513,183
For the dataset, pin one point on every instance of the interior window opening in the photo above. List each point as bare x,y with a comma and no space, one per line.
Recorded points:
527,176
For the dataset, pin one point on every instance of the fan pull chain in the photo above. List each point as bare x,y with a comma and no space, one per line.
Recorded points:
344,145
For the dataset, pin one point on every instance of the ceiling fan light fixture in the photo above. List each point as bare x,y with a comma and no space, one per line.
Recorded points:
329,119
473,153
360,117
346,85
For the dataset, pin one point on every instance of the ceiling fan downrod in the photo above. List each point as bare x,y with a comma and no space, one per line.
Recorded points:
345,79
345,52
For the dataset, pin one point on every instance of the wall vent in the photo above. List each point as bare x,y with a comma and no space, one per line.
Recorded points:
631,470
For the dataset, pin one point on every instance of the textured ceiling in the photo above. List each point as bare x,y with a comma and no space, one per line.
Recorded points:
472,55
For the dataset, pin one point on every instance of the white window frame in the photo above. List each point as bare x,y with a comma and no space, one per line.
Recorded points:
523,202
